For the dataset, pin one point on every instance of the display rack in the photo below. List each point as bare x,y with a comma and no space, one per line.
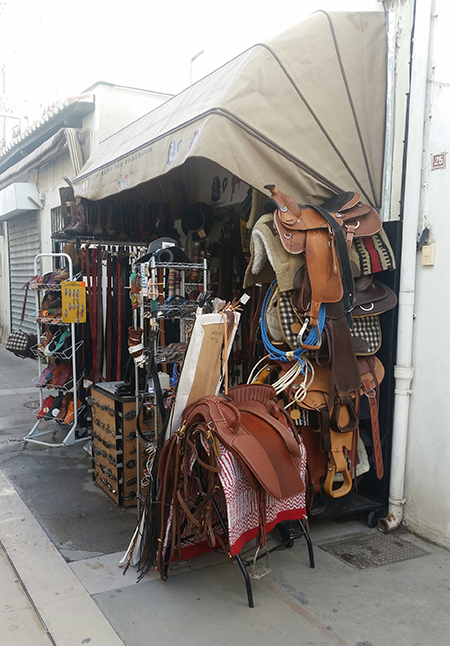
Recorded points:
71,435
154,266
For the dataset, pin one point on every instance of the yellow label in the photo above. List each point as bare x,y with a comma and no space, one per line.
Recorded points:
73,297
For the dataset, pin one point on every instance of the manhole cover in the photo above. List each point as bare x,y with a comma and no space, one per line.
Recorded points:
373,550
33,405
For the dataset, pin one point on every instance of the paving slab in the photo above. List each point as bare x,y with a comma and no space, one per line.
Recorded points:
61,602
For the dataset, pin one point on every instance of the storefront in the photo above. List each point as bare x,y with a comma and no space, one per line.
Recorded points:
304,113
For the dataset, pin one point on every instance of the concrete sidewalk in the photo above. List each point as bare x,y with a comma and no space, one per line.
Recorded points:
61,540
42,601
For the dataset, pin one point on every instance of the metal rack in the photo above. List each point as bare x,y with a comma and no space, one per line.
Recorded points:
154,266
71,435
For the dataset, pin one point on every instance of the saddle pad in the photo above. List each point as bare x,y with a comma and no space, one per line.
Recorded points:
288,319
238,502
366,335
273,324
371,255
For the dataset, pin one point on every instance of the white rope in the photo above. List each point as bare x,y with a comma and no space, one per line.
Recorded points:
308,378
252,376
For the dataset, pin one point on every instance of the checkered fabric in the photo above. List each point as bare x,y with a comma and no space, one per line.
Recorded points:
287,317
17,341
366,335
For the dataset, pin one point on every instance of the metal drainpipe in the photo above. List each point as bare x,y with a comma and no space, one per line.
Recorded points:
390,104
403,371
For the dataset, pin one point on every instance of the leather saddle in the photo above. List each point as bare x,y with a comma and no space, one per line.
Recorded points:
315,231
293,220
250,424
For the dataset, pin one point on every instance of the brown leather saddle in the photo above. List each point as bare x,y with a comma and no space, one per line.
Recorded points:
339,424
317,232
250,424
293,221
252,427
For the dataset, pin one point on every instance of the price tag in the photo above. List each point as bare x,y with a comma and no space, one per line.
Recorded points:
73,297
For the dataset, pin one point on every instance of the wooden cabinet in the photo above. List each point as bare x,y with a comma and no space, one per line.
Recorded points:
115,446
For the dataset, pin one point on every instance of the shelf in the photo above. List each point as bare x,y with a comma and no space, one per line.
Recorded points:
179,265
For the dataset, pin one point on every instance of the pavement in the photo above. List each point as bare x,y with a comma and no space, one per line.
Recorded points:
61,540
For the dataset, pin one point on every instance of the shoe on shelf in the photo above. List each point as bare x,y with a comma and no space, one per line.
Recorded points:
62,275
46,406
50,347
71,412
63,408
62,340
61,375
54,408
46,337
45,375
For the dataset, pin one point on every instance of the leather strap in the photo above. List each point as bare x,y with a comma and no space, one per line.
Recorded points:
109,319
344,263
345,374
371,391
27,285
99,335
119,321
94,316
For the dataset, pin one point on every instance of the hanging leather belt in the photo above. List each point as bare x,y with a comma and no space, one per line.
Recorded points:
94,316
109,319
119,321
99,308
372,396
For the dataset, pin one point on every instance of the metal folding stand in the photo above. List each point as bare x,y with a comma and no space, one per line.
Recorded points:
245,563
70,437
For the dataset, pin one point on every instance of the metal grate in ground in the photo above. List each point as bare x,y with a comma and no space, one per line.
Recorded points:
373,550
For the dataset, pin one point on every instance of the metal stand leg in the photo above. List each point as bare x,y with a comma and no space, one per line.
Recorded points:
308,543
248,582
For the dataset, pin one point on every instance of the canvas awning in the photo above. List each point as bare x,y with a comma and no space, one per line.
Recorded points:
305,111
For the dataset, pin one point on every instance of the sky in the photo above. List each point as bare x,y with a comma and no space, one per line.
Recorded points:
53,50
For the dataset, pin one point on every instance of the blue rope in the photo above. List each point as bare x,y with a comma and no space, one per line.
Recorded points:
281,355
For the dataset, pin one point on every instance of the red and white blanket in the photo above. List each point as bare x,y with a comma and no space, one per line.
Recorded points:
238,505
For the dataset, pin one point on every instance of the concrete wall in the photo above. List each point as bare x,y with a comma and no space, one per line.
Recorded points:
427,509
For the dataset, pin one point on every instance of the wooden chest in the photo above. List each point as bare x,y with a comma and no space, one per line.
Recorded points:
119,457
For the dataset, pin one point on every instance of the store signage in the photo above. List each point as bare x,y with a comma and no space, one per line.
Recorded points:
9,107
438,161
73,295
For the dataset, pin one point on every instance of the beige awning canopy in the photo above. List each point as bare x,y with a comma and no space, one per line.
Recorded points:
305,111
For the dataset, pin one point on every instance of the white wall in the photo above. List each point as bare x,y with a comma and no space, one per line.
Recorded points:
116,107
427,510
4,285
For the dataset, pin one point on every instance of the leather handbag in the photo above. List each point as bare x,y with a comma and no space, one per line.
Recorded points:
20,342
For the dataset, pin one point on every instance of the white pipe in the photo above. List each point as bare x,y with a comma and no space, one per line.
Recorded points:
390,104
404,370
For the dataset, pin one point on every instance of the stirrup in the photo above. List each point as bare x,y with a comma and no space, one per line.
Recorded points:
263,570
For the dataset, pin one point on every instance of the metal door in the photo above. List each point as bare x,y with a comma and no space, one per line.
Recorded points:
23,245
